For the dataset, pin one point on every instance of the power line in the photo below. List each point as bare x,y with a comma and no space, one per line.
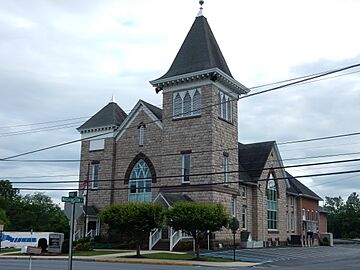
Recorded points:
199,174
321,138
301,81
43,123
203,184
211,105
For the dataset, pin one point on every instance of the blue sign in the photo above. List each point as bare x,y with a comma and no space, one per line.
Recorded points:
6,237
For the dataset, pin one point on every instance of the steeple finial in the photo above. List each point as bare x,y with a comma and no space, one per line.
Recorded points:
113,99
201,2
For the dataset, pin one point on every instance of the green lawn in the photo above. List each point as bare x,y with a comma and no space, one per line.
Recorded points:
174,256
9,250
97,252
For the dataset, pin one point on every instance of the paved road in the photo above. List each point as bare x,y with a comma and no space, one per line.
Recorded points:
345,257
293,257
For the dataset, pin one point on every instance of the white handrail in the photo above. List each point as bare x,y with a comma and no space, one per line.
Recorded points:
154,237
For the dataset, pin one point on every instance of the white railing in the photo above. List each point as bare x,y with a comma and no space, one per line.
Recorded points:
77,235
154,237
176,237
91,234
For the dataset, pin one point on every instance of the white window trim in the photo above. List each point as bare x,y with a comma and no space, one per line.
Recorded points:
192,110
233,206
183,168
244,213
223,111
92,175
141,135
226,169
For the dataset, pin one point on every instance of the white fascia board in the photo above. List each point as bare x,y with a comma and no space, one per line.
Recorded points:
103,134
160,196
279,158
234,85
140,106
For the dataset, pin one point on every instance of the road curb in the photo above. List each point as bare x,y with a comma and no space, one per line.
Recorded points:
145,262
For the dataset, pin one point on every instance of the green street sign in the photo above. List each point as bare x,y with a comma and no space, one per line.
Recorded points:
66,199
73,194
79,200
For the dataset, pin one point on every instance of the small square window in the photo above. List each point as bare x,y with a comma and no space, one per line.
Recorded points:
243,191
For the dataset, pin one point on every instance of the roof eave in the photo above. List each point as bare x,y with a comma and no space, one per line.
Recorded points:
212,73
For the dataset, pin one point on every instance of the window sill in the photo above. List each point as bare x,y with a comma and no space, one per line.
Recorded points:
185,183
226,121
178,118
96,150
273,231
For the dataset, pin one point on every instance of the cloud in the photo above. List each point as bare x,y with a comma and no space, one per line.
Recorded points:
65,59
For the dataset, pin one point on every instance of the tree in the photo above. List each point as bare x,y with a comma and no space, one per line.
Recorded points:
196,219
7,191
343,217
4,219
137,219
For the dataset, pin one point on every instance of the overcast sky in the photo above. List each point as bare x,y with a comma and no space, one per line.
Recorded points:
65,59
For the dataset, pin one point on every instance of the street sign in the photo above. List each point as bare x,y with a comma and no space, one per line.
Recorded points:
66,199
78,210
79,200
73,194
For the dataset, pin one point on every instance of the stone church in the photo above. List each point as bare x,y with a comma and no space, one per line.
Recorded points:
189,150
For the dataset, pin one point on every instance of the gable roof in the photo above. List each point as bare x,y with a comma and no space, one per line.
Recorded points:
110,115
155,110
199,51
253,157
171,198
298,188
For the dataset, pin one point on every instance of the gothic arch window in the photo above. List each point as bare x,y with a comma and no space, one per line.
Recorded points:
139,177
187,103
272,201
177,105
140,182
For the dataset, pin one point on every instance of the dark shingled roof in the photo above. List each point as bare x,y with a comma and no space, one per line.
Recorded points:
199,51
253,157
172,198
296,187
155,110
91,210
110,115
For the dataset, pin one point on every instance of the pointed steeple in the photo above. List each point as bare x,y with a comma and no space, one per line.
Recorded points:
198,52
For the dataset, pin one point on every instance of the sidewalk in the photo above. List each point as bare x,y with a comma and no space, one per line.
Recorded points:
119,258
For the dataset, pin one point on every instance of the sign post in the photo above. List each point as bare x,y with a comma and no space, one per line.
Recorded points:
1,231
73,199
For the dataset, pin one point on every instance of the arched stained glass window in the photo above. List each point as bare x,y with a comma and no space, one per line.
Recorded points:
140,182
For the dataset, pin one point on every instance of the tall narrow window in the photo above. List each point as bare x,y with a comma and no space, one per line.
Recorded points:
187,104
272,204
186,163
177,106
141,134
233,206
196,103
243,191
225,106
303,214
244,216
228,110
226,168
292,221
140,182
94,175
